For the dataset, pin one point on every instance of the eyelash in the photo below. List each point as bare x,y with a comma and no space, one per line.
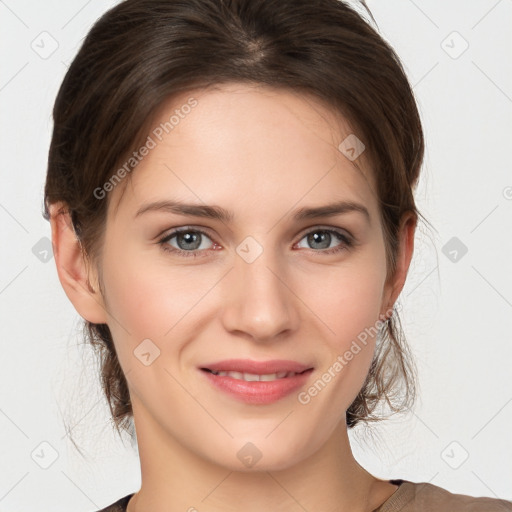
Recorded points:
348,243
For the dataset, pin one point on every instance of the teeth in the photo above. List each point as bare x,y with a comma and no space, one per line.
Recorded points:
251,377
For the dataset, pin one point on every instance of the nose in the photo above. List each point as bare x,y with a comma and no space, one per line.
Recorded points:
259,302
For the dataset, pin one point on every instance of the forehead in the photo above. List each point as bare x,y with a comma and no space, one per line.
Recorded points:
247,139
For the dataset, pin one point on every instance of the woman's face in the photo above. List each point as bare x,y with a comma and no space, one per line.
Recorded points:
268,282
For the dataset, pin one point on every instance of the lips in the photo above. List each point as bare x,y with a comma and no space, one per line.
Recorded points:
257,382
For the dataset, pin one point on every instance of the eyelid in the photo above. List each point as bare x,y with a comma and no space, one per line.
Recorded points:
169,232
321,227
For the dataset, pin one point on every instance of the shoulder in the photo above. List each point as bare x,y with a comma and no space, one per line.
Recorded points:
423,497
119,506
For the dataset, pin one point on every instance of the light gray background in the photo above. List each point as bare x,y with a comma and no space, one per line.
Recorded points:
457,314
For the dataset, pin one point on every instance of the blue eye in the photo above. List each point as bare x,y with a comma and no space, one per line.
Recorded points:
190,241
324,237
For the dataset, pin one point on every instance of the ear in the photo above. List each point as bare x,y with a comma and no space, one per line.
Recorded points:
72,267
405,251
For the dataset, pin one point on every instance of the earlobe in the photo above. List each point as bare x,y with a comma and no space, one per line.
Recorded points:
72,268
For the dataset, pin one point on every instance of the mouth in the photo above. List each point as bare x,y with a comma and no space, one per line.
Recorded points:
255,377
257,382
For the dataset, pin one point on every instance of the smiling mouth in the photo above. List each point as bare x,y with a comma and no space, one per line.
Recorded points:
253,377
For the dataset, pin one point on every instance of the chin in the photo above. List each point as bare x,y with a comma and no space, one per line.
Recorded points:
258,456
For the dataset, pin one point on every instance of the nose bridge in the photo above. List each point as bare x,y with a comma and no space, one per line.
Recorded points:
258,301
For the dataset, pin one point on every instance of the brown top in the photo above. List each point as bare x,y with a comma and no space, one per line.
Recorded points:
409,497
425,497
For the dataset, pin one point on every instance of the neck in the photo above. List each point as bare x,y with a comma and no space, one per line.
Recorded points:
177,479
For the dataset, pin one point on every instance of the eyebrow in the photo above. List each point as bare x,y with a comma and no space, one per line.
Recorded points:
226,216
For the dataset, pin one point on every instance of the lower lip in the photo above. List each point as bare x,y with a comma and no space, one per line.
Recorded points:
256,392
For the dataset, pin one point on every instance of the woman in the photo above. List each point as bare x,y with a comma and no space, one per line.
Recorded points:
230,190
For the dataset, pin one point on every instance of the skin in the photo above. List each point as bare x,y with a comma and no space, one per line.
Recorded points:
261,153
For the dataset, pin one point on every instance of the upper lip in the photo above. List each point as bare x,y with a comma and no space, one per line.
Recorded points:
256,367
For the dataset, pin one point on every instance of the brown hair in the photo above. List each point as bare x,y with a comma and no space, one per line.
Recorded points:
143,52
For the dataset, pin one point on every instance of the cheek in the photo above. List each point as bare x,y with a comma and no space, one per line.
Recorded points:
151,300
347,297
139,301
135,299
348,304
